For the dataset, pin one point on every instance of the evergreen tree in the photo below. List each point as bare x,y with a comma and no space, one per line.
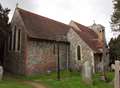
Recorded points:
114,49
4,31
4,26
115,19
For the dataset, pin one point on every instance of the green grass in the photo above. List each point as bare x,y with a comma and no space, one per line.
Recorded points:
68,80
71,80
11,82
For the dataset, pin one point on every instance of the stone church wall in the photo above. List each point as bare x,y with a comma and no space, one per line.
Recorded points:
86,52
42,56
15,59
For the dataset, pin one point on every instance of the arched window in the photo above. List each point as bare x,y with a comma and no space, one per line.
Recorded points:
19,40
14,39
10,41
78,53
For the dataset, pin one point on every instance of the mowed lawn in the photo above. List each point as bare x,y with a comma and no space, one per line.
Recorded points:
68,80
10,81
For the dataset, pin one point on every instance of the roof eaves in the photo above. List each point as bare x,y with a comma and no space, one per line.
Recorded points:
28,34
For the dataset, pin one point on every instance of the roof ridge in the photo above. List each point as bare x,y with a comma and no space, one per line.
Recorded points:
43,27
41,16
82,25
89,37
87,28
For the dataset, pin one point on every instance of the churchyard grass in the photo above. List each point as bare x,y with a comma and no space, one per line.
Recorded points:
68,80
72,80
12,82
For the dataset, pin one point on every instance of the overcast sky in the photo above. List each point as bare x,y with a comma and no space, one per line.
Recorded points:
82,11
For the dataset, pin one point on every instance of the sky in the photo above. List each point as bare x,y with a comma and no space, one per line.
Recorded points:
82,11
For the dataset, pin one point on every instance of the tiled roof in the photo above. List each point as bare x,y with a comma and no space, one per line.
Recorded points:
42,27
89,36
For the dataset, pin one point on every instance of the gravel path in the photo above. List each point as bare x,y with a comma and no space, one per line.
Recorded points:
34,84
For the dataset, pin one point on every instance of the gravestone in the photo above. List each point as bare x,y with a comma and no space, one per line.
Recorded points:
1,72
117,74
87,72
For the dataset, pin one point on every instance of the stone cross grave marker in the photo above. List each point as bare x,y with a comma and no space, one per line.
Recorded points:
116,67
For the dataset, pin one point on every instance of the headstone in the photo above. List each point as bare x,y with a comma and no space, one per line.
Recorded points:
87,72
48,71
99,67
112,67
1,72
117,75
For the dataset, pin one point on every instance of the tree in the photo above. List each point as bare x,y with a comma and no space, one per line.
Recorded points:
114,49
4,26
4,31
115,19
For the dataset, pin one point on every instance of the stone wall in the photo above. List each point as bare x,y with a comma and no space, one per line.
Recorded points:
34,56
86,52
15,59
42,56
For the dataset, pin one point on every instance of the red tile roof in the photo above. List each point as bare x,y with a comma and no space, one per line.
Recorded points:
42,27
45,28
90,37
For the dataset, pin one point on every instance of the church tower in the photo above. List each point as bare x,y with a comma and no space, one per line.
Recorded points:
100,30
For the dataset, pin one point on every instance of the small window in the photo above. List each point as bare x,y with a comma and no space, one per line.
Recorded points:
78,53
54,47
100,59
14,39
10,41
19,40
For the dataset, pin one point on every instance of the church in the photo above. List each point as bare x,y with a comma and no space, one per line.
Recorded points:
36,43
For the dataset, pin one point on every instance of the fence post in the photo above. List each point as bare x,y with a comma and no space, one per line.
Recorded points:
117,75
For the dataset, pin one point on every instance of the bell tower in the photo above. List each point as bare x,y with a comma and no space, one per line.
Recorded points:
100,30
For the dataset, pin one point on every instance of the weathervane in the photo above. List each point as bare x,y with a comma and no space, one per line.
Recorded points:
17,4
94,22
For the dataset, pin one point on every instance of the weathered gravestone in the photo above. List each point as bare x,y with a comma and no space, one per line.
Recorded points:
87,72
116,67
1,72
